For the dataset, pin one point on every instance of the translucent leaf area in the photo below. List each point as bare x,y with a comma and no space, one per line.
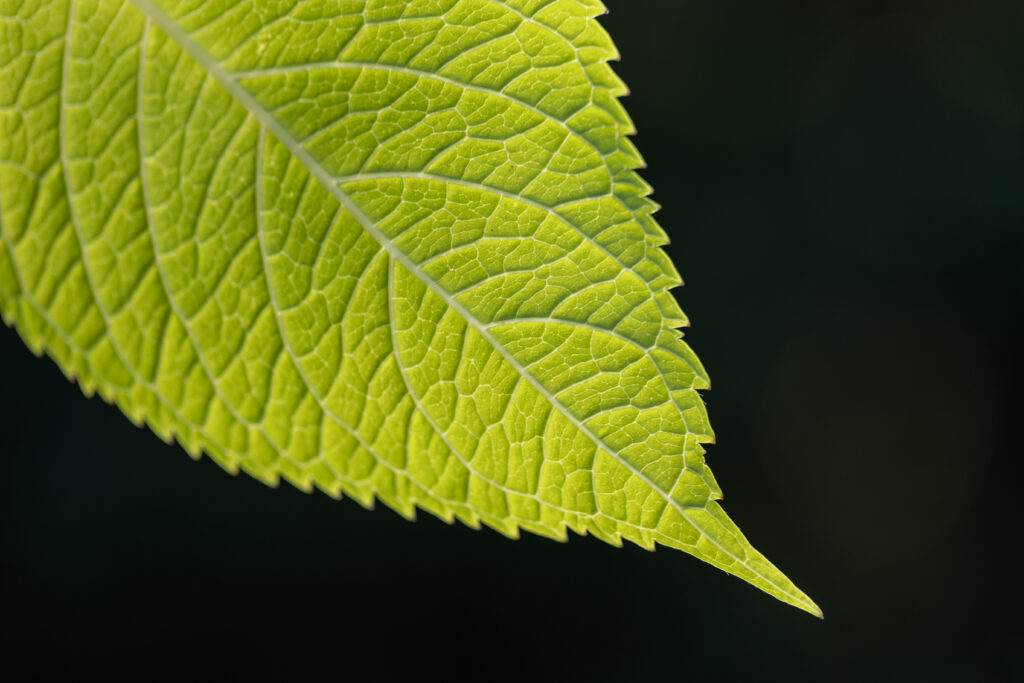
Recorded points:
393,249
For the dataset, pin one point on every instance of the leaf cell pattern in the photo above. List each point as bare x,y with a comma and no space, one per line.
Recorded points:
391,249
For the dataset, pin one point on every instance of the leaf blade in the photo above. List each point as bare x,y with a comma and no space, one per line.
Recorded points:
517,184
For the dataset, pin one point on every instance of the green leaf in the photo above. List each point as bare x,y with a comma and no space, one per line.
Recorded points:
392,249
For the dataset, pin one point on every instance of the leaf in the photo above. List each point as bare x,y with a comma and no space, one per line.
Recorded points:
391,249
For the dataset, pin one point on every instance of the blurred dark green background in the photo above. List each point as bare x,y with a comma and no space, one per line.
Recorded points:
843,183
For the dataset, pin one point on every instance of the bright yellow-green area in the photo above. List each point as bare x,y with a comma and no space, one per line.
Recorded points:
392,249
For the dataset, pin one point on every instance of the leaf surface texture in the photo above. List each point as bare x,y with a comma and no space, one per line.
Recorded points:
395,250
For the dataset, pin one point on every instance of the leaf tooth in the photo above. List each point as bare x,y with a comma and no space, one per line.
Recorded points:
406,508
468,517
333,492
508,529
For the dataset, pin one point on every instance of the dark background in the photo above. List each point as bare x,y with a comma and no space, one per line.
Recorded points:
843,185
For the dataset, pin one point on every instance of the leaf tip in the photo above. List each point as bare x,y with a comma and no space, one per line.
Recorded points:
808,605
784,590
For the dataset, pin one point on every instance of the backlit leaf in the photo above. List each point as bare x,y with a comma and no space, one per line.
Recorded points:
392,249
